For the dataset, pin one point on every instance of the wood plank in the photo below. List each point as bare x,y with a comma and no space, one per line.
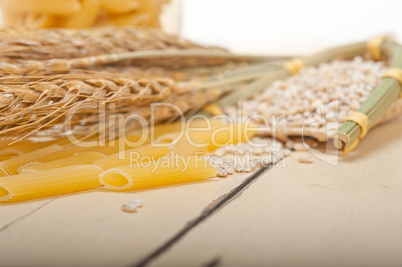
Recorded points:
89,228
11,213
310,214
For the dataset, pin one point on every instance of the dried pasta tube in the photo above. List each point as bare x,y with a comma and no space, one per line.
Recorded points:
12,18
53,7
162,129
190,147
151,8
165,171
114,146
132,156
86,17
73,150
130,141
40,21
78,159
133,18
24,145
9,153
60,154
120,145
230,135
167,138
12,165
3,173
119,6
178,128
65,141
206,135
47,183
219,135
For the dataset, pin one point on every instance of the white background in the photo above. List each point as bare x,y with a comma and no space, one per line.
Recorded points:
288,26
282,26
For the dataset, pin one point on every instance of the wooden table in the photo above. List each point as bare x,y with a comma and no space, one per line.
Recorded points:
300,215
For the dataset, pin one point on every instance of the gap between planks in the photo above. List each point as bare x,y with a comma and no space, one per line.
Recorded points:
7,225
211,209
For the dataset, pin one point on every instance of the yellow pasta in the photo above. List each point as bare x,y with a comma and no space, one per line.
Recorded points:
130,141
156,173
11,18
40,21
190,147
23,146
132,156
112,147
211,136
61,141
9,153
3,172
150,7
72,149
78,159
201,135
60,154
53,7
162,129
228,135
132,18
176,128
86,17
119,6
48,183
167,138
12,165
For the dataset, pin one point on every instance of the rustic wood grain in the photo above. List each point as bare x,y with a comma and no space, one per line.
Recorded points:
310,214
302,214
89,228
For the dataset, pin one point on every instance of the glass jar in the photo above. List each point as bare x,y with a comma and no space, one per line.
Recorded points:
82,13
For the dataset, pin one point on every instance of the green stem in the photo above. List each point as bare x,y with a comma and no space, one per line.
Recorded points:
386,93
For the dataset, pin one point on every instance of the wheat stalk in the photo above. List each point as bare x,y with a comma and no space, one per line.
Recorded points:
39,51
42,44
29,104
45,74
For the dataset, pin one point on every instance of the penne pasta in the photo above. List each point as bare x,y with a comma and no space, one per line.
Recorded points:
60,154
53,7
48,183
72,149
228,135
130,141
167,138
176,129
86,17
12,18
155,173
112,147
209,137
119,6
65,140
132,18
78,159
151,8
9,153
132,156
40,21
190,147
3,172
23,146
12,165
